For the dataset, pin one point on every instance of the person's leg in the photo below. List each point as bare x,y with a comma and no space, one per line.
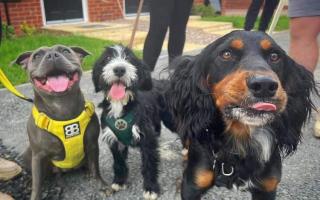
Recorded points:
252,14
268,9
304,48
160,14
178,25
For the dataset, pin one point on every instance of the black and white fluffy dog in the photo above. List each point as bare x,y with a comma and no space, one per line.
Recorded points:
241,103
131,114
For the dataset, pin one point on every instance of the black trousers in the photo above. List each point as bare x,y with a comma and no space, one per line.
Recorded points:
164,14
253,11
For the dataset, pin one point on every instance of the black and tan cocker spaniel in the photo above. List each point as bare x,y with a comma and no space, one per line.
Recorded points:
240,104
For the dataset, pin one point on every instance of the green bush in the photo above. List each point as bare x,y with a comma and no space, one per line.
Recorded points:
27,29
203,11
7,31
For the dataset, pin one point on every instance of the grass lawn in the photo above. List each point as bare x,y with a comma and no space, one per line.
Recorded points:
10,49
238,21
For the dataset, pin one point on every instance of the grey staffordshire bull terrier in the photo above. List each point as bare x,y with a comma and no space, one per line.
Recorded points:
55,75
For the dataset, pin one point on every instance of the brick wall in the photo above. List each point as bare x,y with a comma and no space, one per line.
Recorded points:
235,4
198,1
230,4
28,11
101,10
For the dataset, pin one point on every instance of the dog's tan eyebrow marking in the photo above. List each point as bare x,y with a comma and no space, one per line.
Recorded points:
237,44
265,44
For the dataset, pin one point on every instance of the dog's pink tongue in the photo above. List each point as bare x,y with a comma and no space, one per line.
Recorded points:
117,91
58,83
261,106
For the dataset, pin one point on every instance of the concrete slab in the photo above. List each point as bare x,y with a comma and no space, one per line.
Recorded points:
120,31
209,25
87,27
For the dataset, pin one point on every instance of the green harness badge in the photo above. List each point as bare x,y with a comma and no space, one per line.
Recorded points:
122,127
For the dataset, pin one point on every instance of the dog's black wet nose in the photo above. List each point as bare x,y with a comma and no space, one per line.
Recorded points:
52,55
262,86
119,71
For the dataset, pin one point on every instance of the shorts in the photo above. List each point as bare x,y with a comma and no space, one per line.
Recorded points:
304,8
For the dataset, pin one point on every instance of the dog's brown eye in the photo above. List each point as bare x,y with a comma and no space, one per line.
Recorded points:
226,55
274,57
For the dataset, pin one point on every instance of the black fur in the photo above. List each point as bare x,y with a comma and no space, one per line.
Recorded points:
198,119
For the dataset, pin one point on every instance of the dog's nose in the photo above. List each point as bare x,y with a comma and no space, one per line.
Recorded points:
262,86
52,56
119,71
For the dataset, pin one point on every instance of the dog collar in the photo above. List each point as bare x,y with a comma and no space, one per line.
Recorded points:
70,133
122,126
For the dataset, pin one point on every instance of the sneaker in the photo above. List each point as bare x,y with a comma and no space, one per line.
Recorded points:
316,132
8,169
4,196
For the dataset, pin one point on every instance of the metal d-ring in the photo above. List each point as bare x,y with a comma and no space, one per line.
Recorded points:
224,173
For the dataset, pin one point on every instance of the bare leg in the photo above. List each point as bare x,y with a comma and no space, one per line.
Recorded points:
304,48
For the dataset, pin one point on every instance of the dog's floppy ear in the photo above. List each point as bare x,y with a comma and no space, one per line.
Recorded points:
143,71
299,84
145,80
80,52
22,59
189,98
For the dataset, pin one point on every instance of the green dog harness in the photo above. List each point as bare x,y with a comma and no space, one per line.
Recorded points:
121,127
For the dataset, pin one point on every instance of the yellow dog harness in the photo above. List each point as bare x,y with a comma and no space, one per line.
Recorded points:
70,133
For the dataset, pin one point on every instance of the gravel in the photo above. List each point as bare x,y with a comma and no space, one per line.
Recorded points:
20,187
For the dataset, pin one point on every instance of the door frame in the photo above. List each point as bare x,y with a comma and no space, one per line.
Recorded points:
130,15
84,12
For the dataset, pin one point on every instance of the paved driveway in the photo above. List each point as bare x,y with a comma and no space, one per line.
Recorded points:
301,172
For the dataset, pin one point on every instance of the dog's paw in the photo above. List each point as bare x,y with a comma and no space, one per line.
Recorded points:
106,190
117,187
136,133
149,195
108,136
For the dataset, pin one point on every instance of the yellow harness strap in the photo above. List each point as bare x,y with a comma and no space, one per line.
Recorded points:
69,132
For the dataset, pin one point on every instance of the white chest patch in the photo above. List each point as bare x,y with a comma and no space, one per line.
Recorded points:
264,137
116,108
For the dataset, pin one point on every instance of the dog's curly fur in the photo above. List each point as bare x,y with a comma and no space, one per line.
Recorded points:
240,104
145,100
